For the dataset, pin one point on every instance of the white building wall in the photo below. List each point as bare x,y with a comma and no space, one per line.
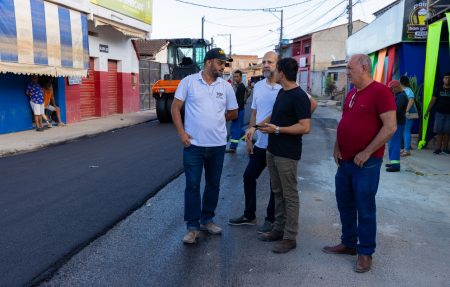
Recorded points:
161,57
91,9
384,31
120,49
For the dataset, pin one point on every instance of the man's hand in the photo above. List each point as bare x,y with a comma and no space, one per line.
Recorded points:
249,134
361,158
337,154
267,128
250,147
427,114
186,139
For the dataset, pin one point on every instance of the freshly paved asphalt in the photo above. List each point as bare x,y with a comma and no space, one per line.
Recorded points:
55,201
145,249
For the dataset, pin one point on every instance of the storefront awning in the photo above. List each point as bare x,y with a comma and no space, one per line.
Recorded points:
126,30
38,37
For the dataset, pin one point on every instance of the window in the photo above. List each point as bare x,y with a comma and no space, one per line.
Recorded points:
306,49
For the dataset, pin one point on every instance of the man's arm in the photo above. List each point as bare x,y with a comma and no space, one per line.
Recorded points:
176,117
302,127
231,115
337,153
313,105
389,127
430,106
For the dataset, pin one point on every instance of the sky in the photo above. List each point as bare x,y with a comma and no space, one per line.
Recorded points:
253,32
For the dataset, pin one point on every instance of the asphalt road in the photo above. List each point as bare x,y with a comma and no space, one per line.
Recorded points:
55,201
145,249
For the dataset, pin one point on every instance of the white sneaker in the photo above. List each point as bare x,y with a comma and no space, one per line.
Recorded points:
211,228
191,236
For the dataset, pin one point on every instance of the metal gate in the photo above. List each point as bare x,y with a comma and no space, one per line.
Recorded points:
149,73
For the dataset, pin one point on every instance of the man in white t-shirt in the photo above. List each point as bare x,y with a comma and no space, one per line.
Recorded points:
264,94
209,102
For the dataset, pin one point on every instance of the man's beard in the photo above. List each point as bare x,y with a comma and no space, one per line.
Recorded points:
267,74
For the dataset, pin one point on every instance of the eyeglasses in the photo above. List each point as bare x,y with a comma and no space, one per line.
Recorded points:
352,101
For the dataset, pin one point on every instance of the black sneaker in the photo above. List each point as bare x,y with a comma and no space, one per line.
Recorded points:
438,151
242,220
446,151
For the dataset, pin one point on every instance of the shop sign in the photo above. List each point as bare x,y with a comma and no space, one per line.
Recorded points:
104,48
137,9
74,80
415,27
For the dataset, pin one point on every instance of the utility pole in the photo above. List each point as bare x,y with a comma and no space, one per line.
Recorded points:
203,27
271,10
229,35
350,21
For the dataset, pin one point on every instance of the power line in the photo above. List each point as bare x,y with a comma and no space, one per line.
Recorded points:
243,9
236,26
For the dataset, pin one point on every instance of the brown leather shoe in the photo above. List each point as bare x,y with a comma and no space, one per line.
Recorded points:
273,235
363,263
339,249
284,246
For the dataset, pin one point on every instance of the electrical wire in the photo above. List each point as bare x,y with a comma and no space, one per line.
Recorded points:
243,9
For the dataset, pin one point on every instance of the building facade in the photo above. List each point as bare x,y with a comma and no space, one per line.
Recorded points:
82,46
316,51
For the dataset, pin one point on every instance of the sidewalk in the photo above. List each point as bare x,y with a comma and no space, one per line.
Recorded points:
31,140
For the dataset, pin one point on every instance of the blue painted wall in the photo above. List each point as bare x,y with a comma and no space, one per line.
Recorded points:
15,110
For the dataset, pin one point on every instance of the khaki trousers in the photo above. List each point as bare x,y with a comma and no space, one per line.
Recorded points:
283,175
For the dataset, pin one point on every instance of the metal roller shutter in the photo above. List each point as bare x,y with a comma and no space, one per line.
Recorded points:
87,94
112,88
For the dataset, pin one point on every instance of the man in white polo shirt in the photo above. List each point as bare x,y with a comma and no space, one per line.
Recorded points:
209,101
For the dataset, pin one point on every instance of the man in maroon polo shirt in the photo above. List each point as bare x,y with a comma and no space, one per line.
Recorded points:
368,122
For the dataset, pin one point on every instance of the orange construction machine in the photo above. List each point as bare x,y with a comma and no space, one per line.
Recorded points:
185,57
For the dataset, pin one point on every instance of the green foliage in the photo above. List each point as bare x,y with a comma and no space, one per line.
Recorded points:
330,85
417,89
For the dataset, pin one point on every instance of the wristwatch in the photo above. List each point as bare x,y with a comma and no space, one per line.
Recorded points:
277,130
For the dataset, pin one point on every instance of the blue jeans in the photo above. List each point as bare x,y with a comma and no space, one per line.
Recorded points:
196,210
256,164
394,146
236,130
355,195
407,135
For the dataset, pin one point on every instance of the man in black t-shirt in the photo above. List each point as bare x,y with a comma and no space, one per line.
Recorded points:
291,118
236,125
442,117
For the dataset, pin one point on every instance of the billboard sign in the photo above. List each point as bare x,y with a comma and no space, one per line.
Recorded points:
415,26
137,9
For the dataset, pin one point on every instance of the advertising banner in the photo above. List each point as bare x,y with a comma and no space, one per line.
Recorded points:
137,9
415,27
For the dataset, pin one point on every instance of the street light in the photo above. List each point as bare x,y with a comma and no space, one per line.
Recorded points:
229,35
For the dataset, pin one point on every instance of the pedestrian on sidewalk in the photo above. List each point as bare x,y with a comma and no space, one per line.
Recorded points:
441,99
36,94
290,120
401,102
209,102
50,104
368,122
411,115
265,93
237,124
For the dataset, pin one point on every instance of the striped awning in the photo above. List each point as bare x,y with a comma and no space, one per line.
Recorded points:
38,37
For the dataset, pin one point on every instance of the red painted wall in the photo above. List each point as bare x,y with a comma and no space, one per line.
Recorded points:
101,92
128,96
72,103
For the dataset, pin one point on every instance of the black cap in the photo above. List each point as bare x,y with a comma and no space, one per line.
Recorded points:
217,53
